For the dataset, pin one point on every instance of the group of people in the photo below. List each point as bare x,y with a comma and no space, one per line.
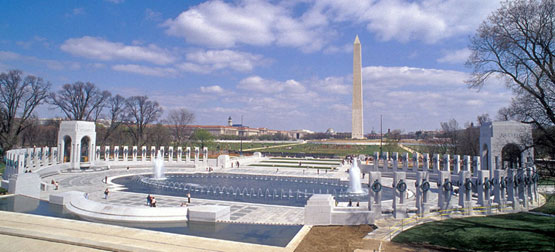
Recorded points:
151,201
236,163
53,182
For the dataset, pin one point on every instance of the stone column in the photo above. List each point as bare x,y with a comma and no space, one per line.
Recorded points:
476,165
197,153
400,188
162,151
143,153
466,163
54,155
435,163
426,162
521,178
511,197
385,158
188,154
125,153
395,160
106,153
170,154
376,161
446,163
20,164
414,161
152,153
445,187
483,188
456,164
499,187
375,194
465,192
404,159
116,153
135,150
205,156
422,192
179,154
36,155
97,153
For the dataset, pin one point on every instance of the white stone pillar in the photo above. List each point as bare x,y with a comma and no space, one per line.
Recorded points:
179,154
395,160
143,153
465,192
415,161
125,153
376,161
135,150
188,154
116,153
483,188
466,163
385,158
435,163
54,155
522,187
106,153
375,194
170,154
405,161
446,163
399,201
152,153
445,187
97,153
426,162
423,193
456,164
476,165
499,188
197,153
205,156
511,197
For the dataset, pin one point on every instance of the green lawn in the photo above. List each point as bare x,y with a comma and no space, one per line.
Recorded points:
2,167
549,206
339,150
507,232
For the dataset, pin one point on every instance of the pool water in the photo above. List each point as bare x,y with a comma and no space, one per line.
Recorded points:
273,235
276,190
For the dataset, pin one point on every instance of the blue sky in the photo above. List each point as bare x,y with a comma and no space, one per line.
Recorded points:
280,64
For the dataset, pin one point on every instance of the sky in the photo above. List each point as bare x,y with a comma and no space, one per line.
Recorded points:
280,64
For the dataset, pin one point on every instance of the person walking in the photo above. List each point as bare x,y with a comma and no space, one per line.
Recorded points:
106,192
148,200
189,197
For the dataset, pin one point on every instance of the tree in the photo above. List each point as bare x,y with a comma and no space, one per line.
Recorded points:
516,42
482,119
202,136
178,119
80,101
139,112
116,106
19,97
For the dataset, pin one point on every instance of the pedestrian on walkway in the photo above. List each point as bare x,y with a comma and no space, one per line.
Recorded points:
148,200
189,197
106,192
153,203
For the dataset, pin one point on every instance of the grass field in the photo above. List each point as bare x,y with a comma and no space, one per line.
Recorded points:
507,232
339,150
2,167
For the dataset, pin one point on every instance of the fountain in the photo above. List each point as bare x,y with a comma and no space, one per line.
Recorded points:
158,170
354,179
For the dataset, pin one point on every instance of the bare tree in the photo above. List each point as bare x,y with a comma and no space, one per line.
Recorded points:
178,119
139,112
451,133
483,118
19,97
516,42
116,106
80,101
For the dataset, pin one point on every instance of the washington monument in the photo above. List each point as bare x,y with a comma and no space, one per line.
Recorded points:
358,128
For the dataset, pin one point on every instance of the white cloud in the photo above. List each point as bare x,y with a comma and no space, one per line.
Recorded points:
152,15
215,89
394,77
101,49
212,60
224,25
260,85
146,70
455,57
51,64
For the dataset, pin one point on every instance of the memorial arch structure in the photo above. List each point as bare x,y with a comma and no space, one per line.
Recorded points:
76,142
505,144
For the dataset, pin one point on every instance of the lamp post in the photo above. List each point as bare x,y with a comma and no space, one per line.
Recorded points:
241,136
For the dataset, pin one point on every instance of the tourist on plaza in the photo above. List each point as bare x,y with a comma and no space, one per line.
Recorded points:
153,203
350,203
188,197
106,192
358,203
148,200
106,180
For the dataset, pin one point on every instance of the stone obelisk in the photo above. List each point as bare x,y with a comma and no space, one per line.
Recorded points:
358,128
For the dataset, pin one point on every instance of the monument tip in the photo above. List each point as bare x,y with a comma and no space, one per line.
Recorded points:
356,40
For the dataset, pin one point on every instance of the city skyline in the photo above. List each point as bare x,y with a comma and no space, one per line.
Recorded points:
283,65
